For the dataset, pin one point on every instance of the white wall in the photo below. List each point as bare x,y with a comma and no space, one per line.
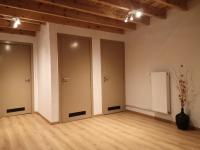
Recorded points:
44,73
33,41
162,46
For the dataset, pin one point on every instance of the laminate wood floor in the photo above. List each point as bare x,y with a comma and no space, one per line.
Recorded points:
120,131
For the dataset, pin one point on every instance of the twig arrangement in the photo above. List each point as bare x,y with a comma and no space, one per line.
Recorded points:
182,91
183,86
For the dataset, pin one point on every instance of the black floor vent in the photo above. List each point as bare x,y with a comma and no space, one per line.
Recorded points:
74,114
113,108
15,109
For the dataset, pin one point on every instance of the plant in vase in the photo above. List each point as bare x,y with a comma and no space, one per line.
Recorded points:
182,119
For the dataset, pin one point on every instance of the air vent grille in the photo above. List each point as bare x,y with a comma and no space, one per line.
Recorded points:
15,109
113,108
74,114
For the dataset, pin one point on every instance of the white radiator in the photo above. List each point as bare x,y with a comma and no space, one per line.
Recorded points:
160,92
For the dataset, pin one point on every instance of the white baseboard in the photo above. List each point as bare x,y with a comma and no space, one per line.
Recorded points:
140,110
151,113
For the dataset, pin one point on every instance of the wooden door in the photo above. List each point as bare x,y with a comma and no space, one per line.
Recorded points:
113,78
15,79
75,77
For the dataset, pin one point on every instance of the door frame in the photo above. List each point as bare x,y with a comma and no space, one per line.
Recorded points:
59,72
102,74
31,67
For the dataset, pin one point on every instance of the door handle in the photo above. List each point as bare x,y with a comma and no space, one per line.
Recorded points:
27,79
65,79
105,78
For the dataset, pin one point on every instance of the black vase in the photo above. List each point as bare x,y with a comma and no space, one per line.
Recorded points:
182,120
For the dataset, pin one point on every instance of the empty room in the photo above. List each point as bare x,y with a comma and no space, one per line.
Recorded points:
99,74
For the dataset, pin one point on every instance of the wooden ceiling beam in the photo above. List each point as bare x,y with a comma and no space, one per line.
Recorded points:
8,17
17,31
65,12
181,4
90,7
23,26
33,21
55,19
134,4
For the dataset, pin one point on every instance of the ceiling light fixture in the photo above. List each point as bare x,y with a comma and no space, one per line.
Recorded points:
138,14
16,22
134,14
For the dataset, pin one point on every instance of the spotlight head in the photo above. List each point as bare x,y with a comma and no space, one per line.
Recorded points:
138,14
126,20
15,25
131,18
16,22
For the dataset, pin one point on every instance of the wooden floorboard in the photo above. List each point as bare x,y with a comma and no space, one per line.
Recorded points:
120,131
